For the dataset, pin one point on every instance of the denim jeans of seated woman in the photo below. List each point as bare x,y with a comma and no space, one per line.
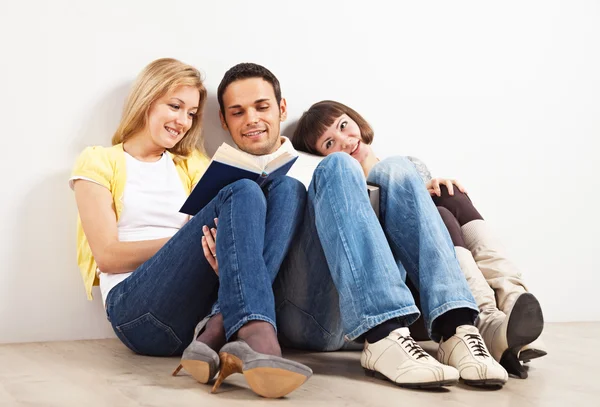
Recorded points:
346,270
154,311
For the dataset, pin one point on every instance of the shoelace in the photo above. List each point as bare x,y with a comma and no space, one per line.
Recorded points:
413,347
476,343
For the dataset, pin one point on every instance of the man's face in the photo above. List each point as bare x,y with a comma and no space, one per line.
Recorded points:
252,116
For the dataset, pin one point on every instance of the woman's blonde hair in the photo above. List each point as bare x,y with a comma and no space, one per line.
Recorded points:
159,78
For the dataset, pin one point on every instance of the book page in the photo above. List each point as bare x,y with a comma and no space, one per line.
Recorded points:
278,162
229,155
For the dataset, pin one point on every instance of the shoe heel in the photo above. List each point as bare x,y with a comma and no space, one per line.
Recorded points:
513,366
229,365
177,370
527,355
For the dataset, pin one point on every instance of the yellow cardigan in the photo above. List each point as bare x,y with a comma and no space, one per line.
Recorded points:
106,165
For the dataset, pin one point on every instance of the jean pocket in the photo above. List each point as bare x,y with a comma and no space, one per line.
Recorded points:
147,335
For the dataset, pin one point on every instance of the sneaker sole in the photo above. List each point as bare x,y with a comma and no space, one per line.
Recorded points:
425,385
485,383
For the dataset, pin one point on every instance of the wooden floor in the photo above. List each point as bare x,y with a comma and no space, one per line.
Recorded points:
105,373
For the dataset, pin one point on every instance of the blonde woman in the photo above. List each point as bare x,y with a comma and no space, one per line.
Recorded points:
149,259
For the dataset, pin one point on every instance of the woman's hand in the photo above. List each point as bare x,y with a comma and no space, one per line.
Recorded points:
433,186
369,160
209,245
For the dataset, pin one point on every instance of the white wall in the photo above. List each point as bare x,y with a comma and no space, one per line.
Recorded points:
502,96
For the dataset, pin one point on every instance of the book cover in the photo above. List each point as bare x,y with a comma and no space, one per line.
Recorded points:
227,166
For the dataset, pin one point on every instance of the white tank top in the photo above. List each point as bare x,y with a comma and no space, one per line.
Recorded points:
152,198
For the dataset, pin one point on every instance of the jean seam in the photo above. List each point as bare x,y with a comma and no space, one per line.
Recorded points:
235,263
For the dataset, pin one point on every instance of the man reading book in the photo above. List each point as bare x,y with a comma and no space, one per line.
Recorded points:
251,110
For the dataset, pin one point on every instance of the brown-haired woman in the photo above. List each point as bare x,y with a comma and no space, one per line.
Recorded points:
510,317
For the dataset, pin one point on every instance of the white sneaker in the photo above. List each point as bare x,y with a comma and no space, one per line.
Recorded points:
466,351
400,359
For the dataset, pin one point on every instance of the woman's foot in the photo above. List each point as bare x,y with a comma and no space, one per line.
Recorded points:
257,355
200,358
213,333
261,337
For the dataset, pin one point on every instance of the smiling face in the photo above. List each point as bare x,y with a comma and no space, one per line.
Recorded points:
343,136
171,116
252,115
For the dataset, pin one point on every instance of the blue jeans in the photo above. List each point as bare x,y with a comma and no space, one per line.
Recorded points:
346,270
154,311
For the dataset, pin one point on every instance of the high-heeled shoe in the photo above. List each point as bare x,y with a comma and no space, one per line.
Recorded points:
531,351
525,323
198,358
268,376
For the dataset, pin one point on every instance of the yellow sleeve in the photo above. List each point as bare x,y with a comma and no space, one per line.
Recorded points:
94,163
196,164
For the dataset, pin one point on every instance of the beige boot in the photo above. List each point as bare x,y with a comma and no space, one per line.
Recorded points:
503,334
507,282
491,322
501,274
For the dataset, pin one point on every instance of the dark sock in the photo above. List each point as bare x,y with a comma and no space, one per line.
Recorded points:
447,323
382,330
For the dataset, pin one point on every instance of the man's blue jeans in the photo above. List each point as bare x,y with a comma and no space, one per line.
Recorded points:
346,270
154,311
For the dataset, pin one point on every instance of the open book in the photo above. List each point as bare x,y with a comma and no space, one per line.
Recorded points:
229,165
